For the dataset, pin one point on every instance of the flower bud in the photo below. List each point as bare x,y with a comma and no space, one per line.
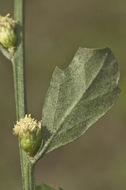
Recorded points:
30,134
7,33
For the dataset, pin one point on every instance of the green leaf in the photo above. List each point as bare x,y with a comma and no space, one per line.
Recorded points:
45,187
78,96
5,52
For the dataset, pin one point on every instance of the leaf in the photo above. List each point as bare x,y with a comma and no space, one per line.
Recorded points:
78,96
5,52
45,187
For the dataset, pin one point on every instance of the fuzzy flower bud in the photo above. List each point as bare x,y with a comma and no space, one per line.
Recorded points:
30,134
7,32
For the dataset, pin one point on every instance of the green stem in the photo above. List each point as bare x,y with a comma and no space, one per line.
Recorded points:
27,168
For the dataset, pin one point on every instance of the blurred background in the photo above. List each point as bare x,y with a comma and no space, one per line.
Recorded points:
54,31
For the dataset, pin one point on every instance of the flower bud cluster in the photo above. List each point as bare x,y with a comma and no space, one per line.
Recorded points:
30,134
7,32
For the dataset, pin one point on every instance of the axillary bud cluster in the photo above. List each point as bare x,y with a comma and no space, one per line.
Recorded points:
29,131
7,33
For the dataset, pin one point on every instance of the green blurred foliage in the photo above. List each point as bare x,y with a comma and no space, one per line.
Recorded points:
54,31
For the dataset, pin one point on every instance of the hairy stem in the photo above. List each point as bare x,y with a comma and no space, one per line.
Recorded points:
27,168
